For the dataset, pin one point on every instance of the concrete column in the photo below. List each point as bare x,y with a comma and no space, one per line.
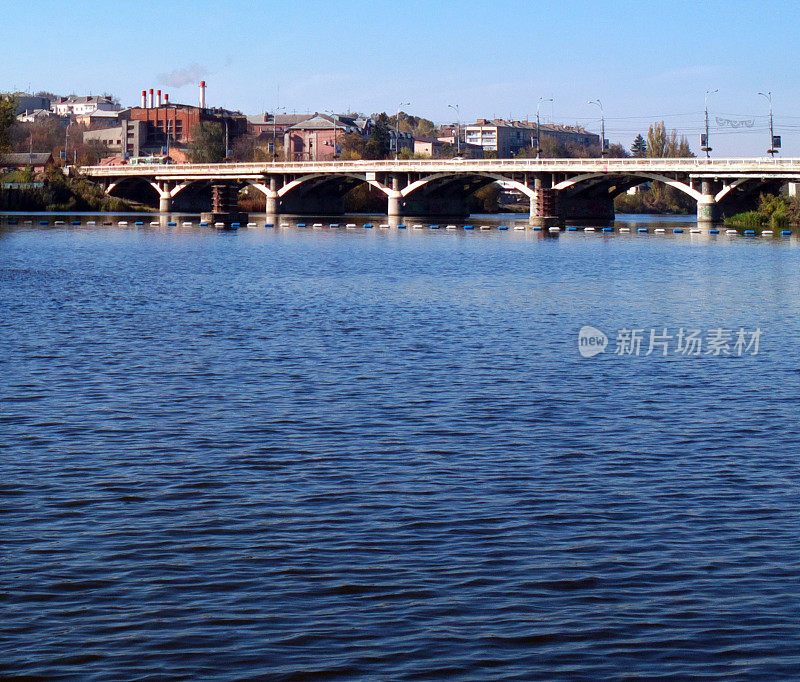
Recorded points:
165,203
272,203
395,205
707,207
793,186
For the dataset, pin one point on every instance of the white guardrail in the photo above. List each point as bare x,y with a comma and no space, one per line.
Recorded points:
754,165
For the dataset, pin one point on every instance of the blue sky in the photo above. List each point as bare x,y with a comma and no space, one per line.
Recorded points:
645,61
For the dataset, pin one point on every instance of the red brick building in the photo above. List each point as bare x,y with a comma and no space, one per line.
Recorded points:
176,122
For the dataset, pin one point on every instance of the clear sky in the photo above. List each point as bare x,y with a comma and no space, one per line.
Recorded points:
646,60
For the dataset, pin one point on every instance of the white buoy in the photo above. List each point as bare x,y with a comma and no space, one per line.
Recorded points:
731,231
695,230
384,225
91,222
59,222
766,233
486,227
154,223
519,227
317,226
624,229
418,227
188,223
285,225
219,224
123,223
450,227
350,226
588,229
660,230
554,229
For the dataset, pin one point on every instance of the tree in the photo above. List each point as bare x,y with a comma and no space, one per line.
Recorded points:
6,120
378,146
657,141
208,145
639,147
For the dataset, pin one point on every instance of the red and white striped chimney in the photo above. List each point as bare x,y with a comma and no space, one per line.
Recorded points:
166,98
150,105
144,99
202,94
158,97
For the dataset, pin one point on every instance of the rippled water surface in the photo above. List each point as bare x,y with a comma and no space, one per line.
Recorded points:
314,454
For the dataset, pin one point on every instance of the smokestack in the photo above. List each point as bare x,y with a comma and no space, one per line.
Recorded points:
202,94
150,106
158,97
144,99
166,99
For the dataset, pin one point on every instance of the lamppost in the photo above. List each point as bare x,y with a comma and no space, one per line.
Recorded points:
397,128
333,117
274,133
771,151
539,126
707,146
455,108
602,126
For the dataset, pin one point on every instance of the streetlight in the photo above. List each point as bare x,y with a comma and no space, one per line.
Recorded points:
397,128
455,108
274,133
539,126
706,147
602,126
771,149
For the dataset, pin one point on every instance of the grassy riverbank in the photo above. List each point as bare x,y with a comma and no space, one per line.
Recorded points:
53,191
774,211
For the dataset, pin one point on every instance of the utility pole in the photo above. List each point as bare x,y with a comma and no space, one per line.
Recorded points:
771,151
602,126
707,146
539,126
397,129
333,117
455,108
274,132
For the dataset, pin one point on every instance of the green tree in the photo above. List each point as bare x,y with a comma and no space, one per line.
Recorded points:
208,145
6,120
639,147
377,146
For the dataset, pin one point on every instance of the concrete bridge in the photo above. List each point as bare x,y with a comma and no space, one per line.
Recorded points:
558,189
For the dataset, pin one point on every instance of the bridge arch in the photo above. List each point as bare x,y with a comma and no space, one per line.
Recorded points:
590,179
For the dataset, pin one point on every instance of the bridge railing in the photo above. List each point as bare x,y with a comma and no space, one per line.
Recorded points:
435,165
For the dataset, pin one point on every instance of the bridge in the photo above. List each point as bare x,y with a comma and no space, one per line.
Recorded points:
558,189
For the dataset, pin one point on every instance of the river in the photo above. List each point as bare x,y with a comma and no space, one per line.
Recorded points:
296,453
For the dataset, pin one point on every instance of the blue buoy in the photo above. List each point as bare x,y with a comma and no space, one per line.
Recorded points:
713,230
469,227
608,229
232,224
138,223
269,224
572,228
301,224
786,233
502,227
367,226
677,230
642,229
75,222
43,222
13,221
172,223
749,231
203,224
401,226
433,227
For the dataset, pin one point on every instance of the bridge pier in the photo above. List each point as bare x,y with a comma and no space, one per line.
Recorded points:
708,211
544,205
165,203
